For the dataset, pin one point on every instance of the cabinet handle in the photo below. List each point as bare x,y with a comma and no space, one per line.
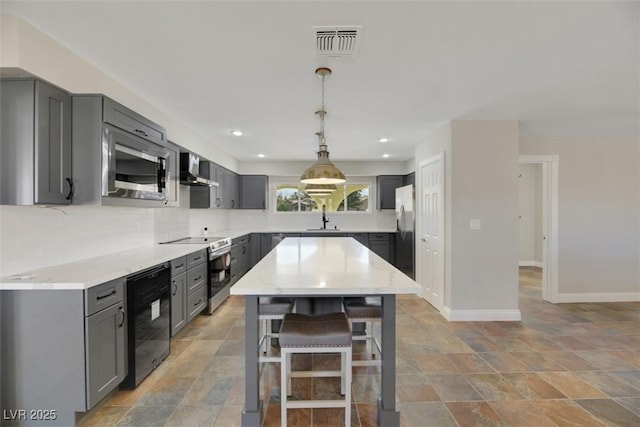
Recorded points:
233,203
141,132
198,303
179,266
198,258
175,287
113,292
197,279
123,317
244,250
217,202
71,190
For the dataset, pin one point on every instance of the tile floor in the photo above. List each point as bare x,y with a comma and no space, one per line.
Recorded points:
563,365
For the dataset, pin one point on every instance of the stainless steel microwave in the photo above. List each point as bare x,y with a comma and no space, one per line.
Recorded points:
134,168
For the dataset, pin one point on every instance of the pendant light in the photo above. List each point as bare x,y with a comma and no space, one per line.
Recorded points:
322,171
320,189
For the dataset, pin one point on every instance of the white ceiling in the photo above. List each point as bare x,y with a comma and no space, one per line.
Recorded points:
561,68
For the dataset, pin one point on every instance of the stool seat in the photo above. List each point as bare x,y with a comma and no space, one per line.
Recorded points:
367,310
321,330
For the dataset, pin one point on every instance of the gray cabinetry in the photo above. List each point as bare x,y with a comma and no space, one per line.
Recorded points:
323,234
178,294
240,257
279,237
105,337
196,283
361,237
253,191
35,143
383,244
254,243
231,195
386,190
126,119
61,349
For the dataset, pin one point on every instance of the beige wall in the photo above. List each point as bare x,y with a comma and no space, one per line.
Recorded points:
599,211
481,266
484,186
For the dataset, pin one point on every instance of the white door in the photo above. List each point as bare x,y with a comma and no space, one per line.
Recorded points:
431,241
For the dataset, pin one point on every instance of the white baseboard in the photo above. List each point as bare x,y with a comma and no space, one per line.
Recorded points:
530,264
481,315
597,297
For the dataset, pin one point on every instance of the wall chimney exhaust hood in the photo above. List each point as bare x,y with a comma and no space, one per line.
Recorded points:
190,171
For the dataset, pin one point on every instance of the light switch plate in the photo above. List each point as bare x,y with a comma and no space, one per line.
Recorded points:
474,224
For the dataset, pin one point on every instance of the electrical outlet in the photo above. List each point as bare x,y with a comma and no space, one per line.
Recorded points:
474,224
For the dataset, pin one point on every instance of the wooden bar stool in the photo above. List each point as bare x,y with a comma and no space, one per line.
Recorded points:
367,310
271,308
322,333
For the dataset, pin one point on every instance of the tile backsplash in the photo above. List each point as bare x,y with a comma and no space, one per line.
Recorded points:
40,236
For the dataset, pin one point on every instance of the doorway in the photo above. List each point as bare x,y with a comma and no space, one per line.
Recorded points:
548,227
430,232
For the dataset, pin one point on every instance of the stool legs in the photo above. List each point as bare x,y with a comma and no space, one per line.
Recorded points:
345,382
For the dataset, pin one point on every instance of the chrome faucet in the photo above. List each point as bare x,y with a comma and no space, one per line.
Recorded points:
324,217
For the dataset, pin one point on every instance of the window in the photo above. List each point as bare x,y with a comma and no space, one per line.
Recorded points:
347,198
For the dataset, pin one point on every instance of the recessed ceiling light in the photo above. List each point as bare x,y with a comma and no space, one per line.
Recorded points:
383,140
385,155
236,132
261,155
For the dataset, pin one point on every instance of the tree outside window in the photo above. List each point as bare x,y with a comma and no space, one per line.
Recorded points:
293,198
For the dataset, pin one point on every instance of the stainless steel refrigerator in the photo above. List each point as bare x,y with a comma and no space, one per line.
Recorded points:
405,226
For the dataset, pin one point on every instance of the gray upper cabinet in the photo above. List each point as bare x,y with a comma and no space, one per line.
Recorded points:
35,143
126,119
253,191
224,196
387,185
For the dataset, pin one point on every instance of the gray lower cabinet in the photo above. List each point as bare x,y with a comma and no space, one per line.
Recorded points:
35,143
254,243
361,237
253,191
240,257
178,294
196,283
61,349
383,244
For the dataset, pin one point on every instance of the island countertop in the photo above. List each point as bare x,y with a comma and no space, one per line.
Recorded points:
323,266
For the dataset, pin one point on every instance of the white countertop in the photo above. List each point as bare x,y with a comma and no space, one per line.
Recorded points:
237,233
94,271
90,272
323,266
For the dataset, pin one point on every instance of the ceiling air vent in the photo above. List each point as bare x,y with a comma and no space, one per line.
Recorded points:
337,41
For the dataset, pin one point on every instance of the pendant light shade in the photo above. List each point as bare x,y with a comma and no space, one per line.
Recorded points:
322,171
320,189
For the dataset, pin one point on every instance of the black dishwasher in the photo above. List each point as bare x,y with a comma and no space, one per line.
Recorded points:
149,328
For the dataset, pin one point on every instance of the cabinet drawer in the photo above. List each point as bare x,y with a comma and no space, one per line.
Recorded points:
196,258
240,240
126,119
195,277
102,296
196,302
178,266
379,237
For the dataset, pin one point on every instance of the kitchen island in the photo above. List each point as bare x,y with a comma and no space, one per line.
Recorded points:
322,267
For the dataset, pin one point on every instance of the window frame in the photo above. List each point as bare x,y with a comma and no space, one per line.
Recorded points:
369,181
